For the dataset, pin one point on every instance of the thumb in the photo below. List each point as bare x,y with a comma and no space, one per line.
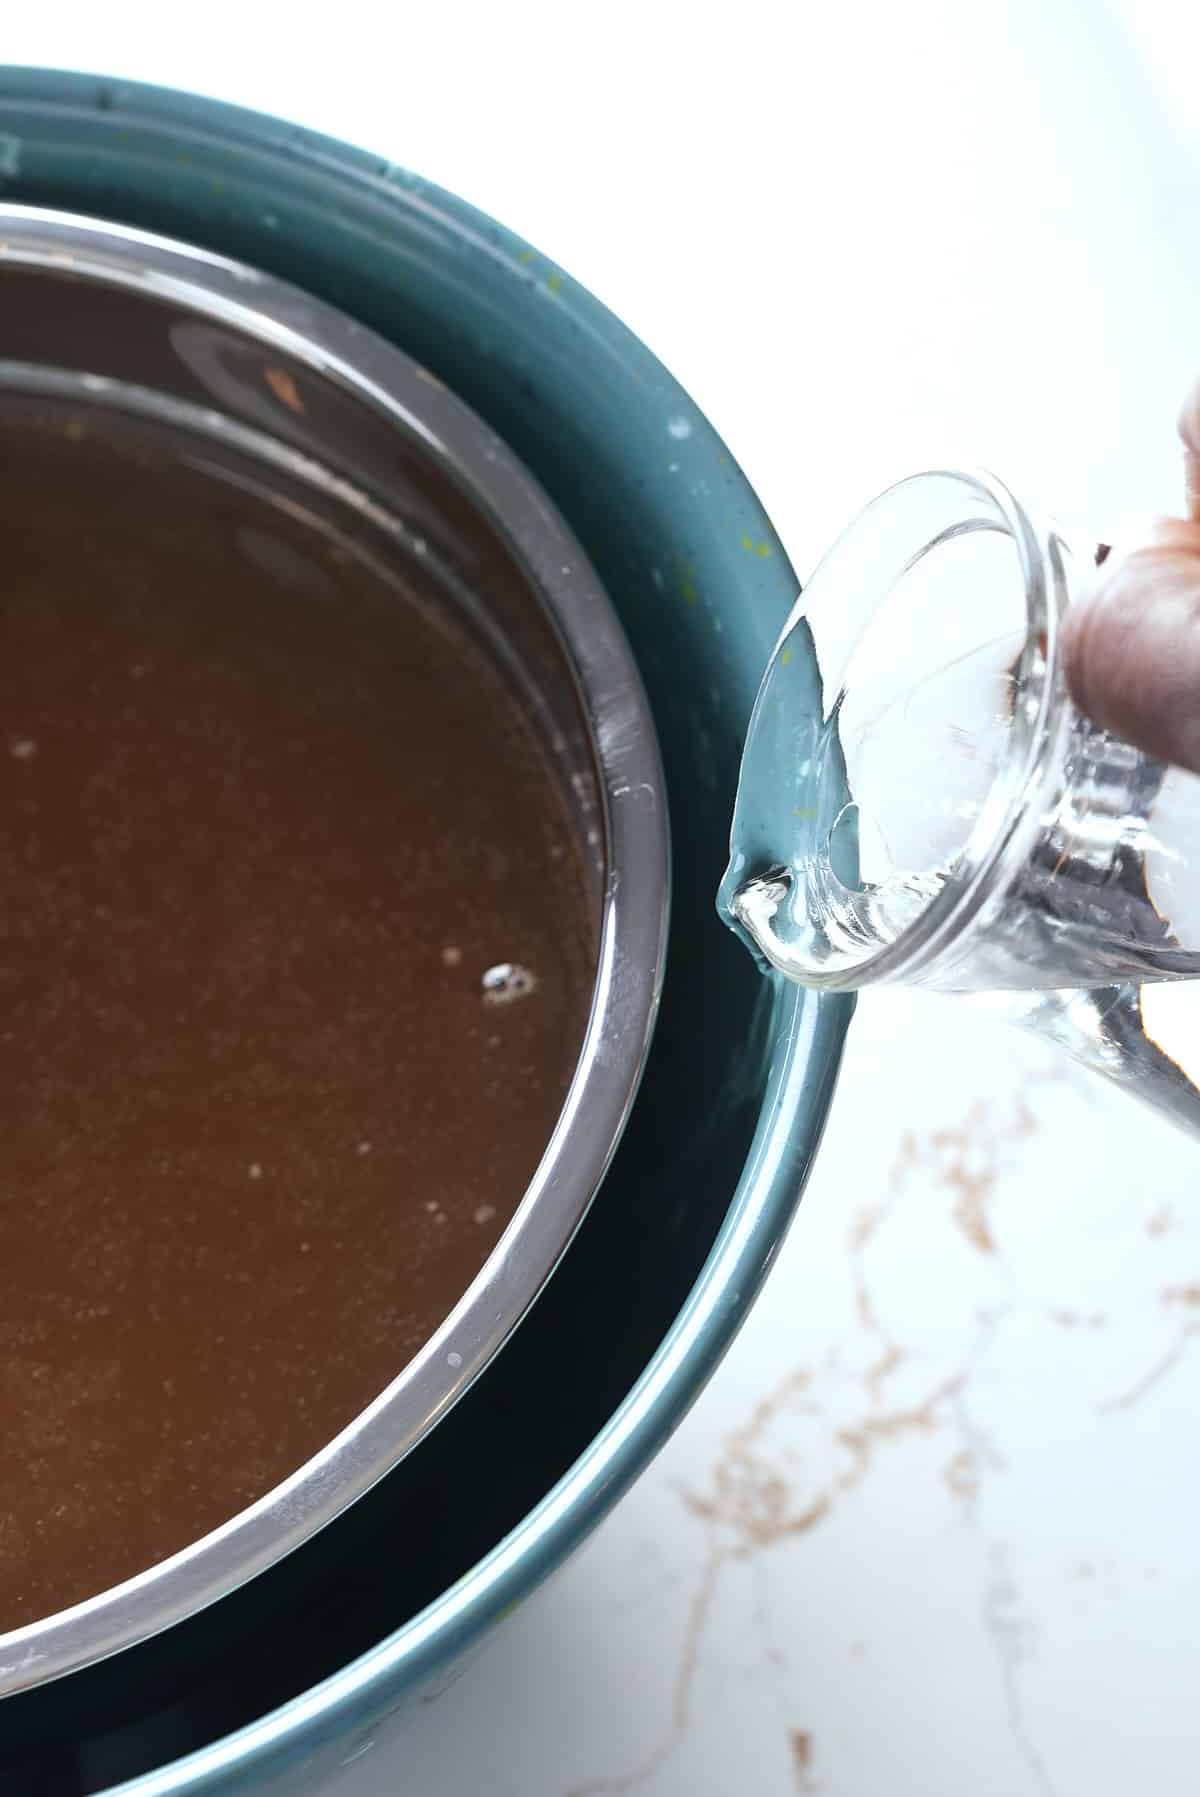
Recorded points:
1132,646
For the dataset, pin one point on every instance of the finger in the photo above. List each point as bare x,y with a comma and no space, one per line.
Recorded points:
1189,430
1132,646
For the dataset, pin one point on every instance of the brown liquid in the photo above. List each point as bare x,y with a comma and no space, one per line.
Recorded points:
265,822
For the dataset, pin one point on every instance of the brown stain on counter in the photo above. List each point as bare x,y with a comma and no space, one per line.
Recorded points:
800,1748
970,1155
756,1501
1186,1297
962,1475
749,1496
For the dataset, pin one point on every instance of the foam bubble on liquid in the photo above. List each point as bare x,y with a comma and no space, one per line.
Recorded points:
506,982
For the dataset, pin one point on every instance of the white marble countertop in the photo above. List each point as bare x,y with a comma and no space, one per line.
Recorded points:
931,1529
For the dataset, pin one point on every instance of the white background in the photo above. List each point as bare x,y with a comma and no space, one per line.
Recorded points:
932,1529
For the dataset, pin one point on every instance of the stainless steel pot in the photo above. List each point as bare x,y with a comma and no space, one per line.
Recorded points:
112,319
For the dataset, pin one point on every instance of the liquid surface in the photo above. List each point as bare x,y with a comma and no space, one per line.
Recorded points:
266,824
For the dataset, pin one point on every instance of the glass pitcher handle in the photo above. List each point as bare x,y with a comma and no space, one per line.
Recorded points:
1141,1038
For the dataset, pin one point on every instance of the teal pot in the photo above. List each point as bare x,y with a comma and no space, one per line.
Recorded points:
275,1686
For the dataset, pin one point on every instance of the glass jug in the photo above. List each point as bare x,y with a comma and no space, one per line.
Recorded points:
920,801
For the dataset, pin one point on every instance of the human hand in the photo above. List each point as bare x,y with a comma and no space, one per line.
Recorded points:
1132,644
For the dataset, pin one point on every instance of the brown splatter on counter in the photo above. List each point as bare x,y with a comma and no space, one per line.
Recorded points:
962,1475
800,1746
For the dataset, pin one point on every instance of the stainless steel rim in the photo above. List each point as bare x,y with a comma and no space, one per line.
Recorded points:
632,934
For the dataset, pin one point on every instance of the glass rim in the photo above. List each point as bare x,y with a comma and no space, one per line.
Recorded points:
997,837
994,836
